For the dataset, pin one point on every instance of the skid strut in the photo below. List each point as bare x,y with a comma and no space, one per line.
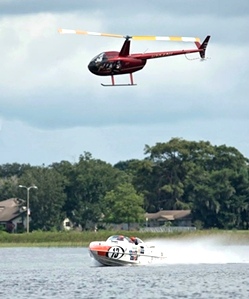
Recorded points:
125,84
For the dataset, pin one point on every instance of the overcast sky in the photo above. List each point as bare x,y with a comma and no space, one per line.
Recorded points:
52,108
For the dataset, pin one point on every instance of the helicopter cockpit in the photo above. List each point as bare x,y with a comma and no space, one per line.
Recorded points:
97,61
105,64
99,58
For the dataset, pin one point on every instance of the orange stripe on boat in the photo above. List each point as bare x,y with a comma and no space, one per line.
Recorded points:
100,249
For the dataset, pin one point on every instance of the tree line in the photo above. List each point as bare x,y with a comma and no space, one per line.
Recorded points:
211,181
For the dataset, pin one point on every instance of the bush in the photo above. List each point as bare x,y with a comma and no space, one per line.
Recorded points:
198,224
2,228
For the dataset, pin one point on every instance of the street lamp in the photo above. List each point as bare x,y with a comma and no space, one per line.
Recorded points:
27,188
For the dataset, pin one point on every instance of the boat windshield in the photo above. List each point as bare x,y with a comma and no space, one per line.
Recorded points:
117,238
139,240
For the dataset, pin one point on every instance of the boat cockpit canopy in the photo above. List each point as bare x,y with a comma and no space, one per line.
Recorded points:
116,238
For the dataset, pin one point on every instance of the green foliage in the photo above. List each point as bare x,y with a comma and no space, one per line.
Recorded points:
15,169
47,201
203,178
123,205
8,187
2,229
86,184
52,239
212,181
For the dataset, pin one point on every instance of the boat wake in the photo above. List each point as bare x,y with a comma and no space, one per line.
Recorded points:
202,251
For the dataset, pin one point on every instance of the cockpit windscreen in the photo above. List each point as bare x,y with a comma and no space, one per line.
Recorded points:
99,58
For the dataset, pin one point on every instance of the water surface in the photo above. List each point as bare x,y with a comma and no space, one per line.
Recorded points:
70,273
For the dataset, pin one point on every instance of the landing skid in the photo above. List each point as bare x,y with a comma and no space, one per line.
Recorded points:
123,84
128,84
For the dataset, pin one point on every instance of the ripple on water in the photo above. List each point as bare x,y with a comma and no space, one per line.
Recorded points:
70,273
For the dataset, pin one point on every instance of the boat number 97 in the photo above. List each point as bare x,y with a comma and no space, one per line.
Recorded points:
115,252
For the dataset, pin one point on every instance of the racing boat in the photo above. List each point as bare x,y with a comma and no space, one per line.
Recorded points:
120,250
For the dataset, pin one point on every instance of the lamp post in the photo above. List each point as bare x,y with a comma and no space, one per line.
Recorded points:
28,188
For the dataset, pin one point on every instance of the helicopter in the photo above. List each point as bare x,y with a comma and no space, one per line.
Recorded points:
113,63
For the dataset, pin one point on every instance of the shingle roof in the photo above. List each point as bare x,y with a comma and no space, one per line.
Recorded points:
168,214
10,209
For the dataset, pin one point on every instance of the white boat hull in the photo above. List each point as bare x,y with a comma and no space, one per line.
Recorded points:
122,253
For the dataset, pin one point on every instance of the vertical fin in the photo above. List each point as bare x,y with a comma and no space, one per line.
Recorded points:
125,51
203,46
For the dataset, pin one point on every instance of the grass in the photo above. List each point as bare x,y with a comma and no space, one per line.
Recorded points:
82,239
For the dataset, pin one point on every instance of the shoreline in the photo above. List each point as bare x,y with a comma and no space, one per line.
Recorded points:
82,239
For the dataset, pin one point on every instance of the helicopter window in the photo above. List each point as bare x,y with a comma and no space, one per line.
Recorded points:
99,58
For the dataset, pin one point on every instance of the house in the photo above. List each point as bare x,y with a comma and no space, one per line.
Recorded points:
13,214
67,224
169,217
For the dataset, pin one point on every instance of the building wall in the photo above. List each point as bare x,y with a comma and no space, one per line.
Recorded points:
160,222
66,224
16,225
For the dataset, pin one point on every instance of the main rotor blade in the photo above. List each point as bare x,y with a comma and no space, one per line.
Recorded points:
135,37
167,38
70,31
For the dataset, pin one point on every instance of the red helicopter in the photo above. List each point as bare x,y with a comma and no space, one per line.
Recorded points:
112,63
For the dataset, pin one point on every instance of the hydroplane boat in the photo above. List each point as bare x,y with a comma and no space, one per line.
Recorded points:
120,250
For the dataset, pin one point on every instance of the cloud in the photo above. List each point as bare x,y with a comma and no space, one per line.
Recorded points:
48,95
225,9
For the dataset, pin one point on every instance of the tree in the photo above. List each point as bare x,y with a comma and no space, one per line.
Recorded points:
15,169
9,176
47,201
8,187
212,181
87,182
207,179
123,205
169,166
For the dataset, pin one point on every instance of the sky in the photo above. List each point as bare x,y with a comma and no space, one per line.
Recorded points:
52,108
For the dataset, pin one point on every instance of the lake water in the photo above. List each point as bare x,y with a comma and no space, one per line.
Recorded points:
193,270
